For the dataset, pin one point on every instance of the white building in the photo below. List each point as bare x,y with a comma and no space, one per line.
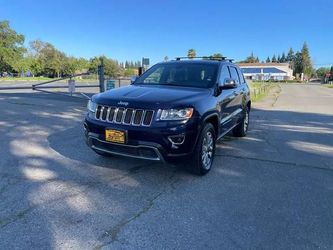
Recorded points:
267,71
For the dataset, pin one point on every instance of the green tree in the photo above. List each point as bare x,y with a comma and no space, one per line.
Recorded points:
251,59
322,71
307,67
274,59
191,53
268,60
298,65
283,58
217,55
93,64
278,59
11,48
291,55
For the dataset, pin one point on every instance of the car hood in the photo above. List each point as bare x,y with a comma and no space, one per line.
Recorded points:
150,96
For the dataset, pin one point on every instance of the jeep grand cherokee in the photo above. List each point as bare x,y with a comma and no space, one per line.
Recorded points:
176,110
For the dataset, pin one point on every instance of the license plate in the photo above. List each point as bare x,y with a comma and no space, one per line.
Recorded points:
117,136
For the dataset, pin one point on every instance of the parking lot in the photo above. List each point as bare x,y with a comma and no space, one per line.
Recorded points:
272,189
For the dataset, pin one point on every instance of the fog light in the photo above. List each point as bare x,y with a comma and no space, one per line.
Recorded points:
176,139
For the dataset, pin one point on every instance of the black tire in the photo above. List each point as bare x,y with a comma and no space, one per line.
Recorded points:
200,164
241,129
101,153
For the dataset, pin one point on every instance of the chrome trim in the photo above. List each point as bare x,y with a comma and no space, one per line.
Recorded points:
101,113
143,117
132,118
158,158
226,132
139,124
151,120
236,112
107,113
124,110
176,143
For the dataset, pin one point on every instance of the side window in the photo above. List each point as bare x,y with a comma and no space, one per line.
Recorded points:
224,74
241,76
234,74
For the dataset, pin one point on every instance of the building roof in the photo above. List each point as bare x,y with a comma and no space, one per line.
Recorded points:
262,64
270,70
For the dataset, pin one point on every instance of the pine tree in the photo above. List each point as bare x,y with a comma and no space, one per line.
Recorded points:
306,61
283,57
268,60
279,59
274,59
290,56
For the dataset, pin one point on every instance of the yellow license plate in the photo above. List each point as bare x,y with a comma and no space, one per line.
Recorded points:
117,136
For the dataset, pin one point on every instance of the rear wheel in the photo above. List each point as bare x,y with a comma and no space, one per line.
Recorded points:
241,129
203,156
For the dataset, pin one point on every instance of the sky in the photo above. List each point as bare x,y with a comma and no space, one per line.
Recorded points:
132,29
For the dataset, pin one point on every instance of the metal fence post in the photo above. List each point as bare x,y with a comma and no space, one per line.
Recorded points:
101,76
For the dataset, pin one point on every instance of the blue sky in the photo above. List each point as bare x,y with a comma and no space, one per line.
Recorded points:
130,30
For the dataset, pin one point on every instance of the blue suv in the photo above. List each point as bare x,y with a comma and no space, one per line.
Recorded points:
175,111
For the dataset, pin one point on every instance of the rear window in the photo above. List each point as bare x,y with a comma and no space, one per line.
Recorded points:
197,75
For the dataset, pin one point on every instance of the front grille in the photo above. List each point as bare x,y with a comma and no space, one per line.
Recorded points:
128,116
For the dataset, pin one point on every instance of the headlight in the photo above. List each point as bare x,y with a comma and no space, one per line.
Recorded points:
176,114
91,106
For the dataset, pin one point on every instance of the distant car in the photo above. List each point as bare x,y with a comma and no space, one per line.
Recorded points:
176,110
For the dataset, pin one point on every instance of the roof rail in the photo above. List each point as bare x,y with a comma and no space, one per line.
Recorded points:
217,58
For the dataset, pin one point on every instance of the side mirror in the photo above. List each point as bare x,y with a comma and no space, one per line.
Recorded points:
133,78
228,83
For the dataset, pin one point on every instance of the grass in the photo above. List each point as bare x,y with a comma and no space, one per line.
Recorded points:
328,85
260,90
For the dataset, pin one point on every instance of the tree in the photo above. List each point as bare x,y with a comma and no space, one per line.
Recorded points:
268,60
283,58
278,59
274,59
251,59
166,58
191,53
306,61
11,48
93,64
322,71
291,55
217,55
298,65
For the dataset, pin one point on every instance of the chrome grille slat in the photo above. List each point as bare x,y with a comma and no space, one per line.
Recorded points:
101,113
129,116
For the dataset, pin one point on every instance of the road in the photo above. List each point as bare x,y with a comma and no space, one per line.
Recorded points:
270,190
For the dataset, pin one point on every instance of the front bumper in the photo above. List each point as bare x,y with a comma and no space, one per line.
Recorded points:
150,143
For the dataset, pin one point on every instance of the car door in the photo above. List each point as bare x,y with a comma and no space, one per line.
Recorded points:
226,102
237,112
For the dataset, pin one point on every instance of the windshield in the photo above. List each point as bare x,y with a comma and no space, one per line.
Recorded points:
198,75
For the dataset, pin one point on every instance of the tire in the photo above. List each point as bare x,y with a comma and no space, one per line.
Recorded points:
101,153
203,156
241,129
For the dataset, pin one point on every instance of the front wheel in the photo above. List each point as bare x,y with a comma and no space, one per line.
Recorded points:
241,129
203,156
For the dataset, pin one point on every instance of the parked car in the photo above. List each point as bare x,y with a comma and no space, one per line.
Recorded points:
175,111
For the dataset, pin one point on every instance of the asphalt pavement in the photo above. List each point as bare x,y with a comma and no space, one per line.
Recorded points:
270,190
